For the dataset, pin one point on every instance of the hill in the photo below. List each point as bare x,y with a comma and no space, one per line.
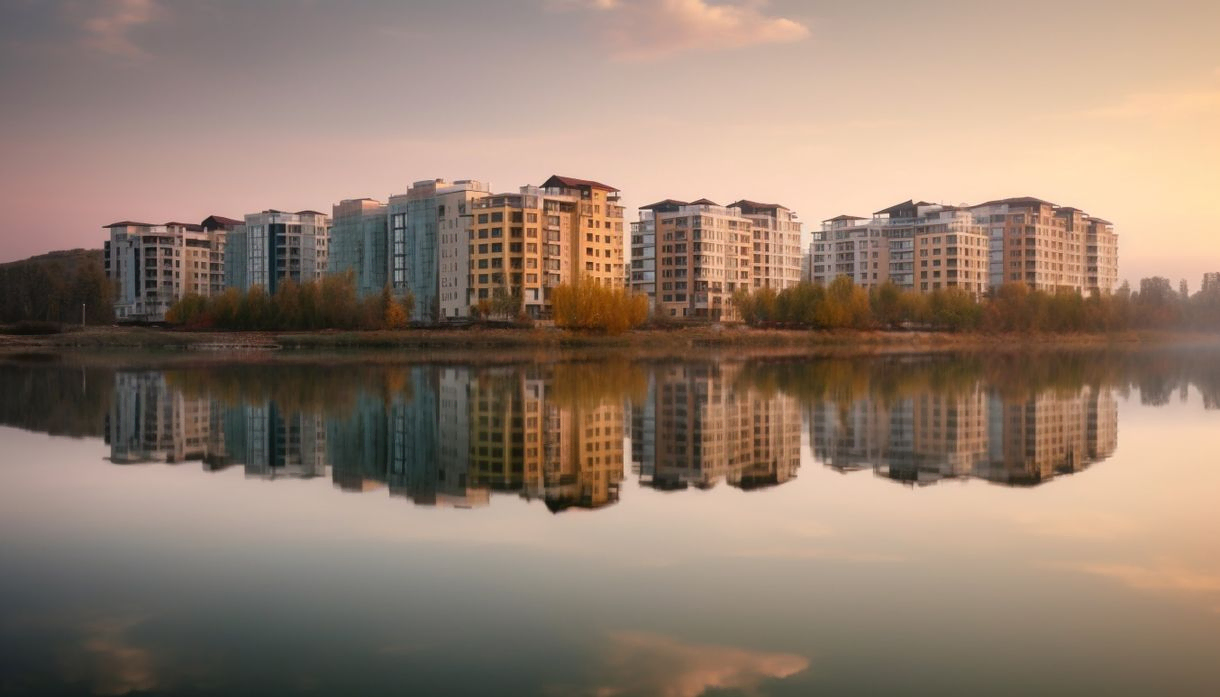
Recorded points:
52,287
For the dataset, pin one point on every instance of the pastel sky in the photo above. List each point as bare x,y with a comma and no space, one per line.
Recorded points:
172,110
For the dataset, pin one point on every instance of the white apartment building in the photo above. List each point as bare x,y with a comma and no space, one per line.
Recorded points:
153,266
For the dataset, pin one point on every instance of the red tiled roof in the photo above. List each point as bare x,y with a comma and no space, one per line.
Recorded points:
557,181
221,220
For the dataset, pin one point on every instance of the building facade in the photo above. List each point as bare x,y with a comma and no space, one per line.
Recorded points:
154,266
692,258
359,244
523,245
925,246
776,250
428,246
275,246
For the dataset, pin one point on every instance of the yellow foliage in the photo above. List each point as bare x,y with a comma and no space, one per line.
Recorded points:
588,305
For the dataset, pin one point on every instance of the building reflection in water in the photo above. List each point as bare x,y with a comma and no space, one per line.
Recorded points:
701,424
975,432
561,434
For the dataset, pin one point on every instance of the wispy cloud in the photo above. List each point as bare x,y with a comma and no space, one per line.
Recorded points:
1188,102
109,28
644,663
644,30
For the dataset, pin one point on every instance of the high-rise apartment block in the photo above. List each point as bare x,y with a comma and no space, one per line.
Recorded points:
428,246
924,246
523,245
275,246
358,243
776,249
916,246
691,257
154,266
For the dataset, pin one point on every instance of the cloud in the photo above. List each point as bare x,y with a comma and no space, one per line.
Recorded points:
109,29
109,661
1199,100
1166,577
1079,525
644,30
644,663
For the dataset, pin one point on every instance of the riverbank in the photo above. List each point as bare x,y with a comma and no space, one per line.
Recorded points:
539,343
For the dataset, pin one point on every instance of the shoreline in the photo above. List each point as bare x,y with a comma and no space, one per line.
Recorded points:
547,344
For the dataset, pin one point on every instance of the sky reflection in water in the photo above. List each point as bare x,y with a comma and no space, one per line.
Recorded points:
675,528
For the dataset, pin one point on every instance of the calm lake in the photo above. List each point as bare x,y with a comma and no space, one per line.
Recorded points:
1006,524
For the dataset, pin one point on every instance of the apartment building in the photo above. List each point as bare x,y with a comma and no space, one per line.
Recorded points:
1047,247
274,246
776,253
1211,282
914,245
359,243
522,245
429,253
692,257
924,246
1101,256
153,266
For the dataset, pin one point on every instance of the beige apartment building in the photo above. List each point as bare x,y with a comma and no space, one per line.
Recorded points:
776,250
914,245
925,246
154,266
698,253
566,231
1047,247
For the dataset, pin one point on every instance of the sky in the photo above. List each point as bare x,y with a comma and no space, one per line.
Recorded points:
161,110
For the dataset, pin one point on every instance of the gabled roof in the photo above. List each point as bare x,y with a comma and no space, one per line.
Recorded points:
216,222
127,223
665,205
909,203
746,204
840,218
703,202
559,182
310,213
1018,201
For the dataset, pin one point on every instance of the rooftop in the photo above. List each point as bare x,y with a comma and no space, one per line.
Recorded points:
558,182
1018,201
748,206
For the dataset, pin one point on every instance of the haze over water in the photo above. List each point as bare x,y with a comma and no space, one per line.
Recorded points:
1011,524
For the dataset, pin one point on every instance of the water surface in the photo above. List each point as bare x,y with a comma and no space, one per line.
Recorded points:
1006,524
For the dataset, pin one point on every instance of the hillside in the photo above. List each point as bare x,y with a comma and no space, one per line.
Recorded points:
52,287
